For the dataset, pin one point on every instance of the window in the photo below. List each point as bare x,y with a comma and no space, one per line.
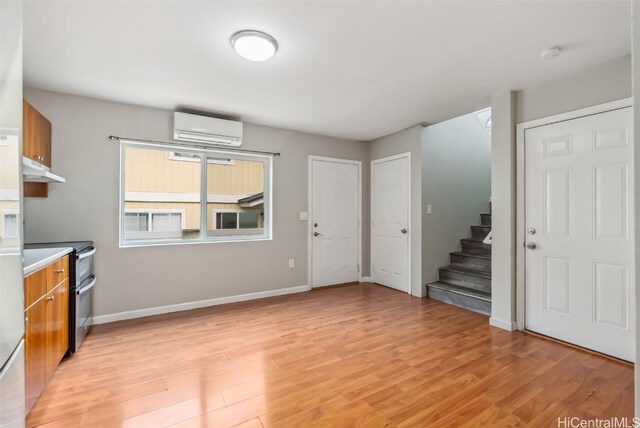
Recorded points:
136,222
171,195
237,220
154,224
484,116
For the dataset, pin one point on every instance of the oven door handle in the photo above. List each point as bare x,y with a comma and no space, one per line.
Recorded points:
88,254
87,287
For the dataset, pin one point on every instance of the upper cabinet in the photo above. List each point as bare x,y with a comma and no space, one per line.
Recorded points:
36,135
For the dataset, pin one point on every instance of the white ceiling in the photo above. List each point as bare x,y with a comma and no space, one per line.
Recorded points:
358,70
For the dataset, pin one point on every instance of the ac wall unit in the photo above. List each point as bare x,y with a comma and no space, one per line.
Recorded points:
206,131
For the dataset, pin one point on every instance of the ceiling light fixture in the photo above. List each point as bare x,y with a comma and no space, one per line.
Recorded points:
254,45
550,53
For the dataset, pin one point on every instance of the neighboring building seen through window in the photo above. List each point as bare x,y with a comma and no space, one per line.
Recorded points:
238,220
163,201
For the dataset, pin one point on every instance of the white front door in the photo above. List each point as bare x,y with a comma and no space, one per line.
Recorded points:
334,222
579,205
390,222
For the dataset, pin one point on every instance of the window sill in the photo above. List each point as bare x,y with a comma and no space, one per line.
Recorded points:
195,242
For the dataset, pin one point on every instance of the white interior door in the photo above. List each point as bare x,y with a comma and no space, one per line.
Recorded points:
390,222
334,220
579,200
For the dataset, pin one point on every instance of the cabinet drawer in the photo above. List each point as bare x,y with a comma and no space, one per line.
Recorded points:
35,286
58,272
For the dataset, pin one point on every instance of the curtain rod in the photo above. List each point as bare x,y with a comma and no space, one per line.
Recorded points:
232,149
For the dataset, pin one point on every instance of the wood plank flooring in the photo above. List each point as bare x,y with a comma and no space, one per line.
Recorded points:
359,355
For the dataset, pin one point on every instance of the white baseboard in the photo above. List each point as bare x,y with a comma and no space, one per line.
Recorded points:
505,325
139,313
365,279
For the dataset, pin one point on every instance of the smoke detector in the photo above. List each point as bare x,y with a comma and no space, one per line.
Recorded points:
550,53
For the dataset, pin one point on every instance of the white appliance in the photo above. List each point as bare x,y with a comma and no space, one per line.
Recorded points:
204,130
12,388
35,172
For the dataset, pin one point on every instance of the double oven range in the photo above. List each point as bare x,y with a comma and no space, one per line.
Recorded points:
81,280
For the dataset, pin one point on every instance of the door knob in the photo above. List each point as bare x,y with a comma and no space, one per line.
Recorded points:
531,231
531,245
317,234
403,231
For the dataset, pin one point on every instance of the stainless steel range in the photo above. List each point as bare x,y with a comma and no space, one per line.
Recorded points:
81,294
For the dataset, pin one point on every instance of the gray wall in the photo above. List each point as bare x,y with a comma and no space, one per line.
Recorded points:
456,181
408,140
86,207
503,216
607,82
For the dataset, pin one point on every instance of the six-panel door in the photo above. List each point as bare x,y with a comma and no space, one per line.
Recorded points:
390,222
334,217
579,200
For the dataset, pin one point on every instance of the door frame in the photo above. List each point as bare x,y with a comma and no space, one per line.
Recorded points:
406,155
520,235
313,158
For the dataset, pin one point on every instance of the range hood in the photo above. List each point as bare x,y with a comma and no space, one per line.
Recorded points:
35,172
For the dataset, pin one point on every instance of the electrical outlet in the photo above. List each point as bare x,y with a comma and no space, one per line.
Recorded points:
429,209
291,263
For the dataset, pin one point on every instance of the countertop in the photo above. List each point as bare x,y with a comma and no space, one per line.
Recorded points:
41,257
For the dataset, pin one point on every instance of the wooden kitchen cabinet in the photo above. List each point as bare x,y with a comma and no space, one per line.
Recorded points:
35,286
35,357
36,145
36,135
58,326
46,325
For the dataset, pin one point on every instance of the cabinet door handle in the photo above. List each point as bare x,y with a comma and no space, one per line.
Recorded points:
59,270
51,298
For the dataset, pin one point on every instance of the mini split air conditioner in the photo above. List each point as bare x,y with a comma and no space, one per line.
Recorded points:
206,131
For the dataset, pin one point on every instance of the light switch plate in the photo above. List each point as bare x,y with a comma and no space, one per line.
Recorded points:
291,263
304,216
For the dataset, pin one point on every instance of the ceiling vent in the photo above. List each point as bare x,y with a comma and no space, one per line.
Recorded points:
206,131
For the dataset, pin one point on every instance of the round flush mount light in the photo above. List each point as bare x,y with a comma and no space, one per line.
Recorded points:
550,53
254,45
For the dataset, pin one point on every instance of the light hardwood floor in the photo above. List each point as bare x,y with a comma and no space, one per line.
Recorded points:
359,355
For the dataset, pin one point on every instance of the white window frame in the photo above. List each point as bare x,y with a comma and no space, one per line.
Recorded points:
235,235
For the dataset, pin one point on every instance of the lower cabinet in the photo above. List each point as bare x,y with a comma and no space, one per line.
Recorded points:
58,326
46,335
35,358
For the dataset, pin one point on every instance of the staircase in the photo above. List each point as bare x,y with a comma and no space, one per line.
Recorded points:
466,281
